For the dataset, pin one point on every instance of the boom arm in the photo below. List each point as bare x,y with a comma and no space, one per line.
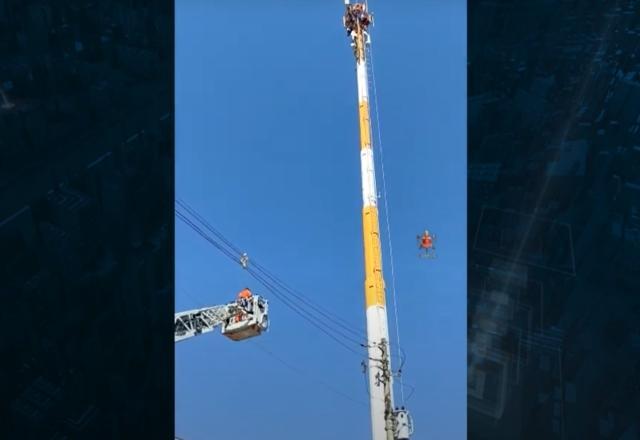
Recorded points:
195,322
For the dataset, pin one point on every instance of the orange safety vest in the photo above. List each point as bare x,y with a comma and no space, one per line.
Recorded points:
426,242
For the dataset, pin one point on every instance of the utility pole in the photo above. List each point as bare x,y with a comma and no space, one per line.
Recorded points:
384,419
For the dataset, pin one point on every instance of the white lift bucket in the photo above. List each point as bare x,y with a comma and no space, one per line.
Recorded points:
247,322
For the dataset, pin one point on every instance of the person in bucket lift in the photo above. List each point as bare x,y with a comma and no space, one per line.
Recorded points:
244,300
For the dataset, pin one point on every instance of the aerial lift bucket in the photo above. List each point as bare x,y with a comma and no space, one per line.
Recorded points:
248,323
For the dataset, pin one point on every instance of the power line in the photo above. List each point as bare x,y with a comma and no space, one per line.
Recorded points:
306,375
262,277
280,290
305,315
204,235
207,225
335,319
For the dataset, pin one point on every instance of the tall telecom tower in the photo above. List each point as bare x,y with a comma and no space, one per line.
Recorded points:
387,423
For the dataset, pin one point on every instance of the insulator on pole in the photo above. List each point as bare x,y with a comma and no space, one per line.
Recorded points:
244,260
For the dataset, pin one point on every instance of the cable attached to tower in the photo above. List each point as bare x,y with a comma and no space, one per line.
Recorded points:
388,224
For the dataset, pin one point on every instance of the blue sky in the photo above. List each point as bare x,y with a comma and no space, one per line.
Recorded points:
267,151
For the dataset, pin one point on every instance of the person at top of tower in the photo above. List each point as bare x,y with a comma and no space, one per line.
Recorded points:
360,14
356,13
350,21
